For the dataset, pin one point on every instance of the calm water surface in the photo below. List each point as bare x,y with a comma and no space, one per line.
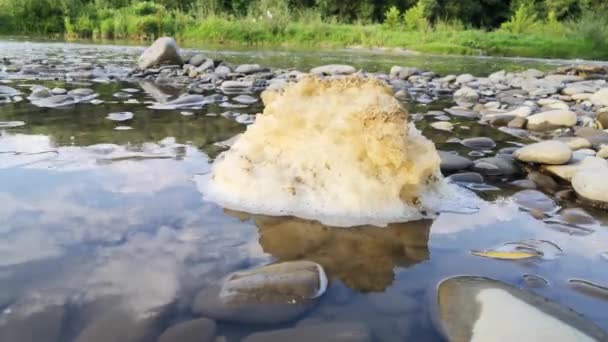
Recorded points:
91,216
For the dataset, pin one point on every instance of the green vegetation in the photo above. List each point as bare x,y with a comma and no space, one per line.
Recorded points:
539,28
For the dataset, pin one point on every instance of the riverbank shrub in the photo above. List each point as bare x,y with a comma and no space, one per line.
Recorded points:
534,28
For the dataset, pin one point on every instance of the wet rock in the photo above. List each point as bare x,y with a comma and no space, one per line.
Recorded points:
466,177
523,184
245,99
248,69
163,50
269,294
476,309
453,162
198,330
81,92
463,112
545,152
330,332
591,185
44,325
534,282
479,143
495,166
231,86
533,200
568,171
443,126
283,282
403,73
576,216
466,95
334,69
589,288
543,181
187,101
551,120
58,91
121,116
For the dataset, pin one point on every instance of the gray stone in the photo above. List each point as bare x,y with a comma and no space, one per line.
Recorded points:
334,69
533,73
453,162
477,309
326,332
596,137
8,91
466,177
466,95
197,60
591,185
543,181
479,143
163,50
545,152
198,330
465,78
498,77
551,120
403,73
248,69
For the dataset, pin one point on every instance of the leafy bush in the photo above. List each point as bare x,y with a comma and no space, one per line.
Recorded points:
391,18
415,18
522,21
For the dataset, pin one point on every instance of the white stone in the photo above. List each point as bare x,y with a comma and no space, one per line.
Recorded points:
551,119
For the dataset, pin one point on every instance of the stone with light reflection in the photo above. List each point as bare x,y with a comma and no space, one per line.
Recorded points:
481,309
337,150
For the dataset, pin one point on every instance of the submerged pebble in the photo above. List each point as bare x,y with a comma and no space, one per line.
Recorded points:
476,309
121,116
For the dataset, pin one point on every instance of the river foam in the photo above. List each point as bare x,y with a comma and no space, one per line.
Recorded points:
339,151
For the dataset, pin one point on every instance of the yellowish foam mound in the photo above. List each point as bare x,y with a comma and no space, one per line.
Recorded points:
336,150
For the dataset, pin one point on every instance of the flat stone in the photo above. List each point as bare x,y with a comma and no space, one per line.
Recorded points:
566,172
478,309
545,152
479,143
326,332
551,120
334,69
466,177
453,162
248,69
198,330
443,126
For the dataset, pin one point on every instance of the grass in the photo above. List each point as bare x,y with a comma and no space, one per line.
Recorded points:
460,42
523,35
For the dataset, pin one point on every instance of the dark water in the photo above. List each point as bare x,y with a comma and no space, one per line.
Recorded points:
91,216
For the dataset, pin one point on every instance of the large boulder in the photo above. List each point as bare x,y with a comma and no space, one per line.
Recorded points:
163,50
481,309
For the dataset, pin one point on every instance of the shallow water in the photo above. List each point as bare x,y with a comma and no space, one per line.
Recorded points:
91,215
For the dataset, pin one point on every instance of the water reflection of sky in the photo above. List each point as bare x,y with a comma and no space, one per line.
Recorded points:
100,219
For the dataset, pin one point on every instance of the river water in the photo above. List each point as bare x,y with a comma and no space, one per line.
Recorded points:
92,216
